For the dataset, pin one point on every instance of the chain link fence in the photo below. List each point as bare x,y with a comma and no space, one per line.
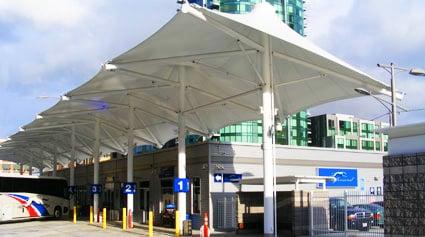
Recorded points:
349,214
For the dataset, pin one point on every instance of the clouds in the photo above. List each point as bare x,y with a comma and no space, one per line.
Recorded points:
364,33
49,47
48,13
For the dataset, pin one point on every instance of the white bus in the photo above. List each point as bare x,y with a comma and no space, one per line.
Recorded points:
27,197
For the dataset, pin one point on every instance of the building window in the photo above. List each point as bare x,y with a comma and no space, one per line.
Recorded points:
351,144
331,124
344,127
196,181
367,145
377,146
340,143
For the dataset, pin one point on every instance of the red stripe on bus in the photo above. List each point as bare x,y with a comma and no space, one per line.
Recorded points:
30,209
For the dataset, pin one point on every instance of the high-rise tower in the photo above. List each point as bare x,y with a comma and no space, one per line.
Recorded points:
294,127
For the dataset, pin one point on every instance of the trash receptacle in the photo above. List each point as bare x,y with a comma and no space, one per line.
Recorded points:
187,228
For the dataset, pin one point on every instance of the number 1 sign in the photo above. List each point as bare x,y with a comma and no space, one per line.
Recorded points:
181,185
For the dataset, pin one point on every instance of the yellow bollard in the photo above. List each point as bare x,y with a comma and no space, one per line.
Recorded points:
75,215
177,223
104,219
124,218
150,224
91,215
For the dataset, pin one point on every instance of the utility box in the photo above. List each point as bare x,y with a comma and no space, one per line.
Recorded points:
187,228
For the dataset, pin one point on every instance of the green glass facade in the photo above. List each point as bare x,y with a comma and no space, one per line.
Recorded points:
289,11
347,132
294,128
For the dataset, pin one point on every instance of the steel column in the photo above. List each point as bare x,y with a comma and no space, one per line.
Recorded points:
72,165
267,139
130,161
393,98
96,165
55,163
181,200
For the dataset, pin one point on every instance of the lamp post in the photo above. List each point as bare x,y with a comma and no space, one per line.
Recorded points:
391,69
382,101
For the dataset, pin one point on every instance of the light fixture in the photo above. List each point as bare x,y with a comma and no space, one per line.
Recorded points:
417,72
109,67
362,91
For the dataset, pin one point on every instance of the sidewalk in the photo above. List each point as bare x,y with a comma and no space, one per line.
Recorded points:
142,229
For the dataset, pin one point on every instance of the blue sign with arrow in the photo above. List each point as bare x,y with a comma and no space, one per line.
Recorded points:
227,178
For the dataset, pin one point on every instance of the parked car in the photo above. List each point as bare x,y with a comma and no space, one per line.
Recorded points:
357,218
378,213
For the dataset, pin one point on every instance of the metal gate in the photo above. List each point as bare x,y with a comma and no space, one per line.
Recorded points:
348,214
224,210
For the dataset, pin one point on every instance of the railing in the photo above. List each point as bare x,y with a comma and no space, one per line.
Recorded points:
348,214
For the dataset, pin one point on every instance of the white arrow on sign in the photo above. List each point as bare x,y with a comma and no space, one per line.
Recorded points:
218,178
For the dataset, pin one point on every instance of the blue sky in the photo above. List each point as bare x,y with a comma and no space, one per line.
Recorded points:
49,47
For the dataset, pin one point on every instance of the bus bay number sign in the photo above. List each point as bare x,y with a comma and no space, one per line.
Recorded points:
96,188
129,188
181,185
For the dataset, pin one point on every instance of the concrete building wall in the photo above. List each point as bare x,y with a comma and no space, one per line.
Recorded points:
246,159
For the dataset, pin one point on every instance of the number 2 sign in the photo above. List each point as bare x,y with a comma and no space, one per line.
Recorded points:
181,185
129,188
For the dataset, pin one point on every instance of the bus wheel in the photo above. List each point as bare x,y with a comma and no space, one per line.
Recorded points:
57,213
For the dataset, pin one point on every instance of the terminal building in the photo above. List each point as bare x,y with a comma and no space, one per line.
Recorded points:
223,179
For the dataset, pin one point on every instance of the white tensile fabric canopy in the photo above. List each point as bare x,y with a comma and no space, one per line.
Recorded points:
221,54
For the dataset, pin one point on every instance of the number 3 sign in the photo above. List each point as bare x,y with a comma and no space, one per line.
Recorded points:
129,188
181,185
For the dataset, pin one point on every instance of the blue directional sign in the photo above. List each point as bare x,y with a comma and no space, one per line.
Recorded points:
181,185
343,177
96,188
72,189
218,178
129,188
227,178
232,178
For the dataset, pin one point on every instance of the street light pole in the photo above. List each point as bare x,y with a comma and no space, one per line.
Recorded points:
393,97
391,69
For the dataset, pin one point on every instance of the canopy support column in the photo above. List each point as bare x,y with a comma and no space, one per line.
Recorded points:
96,165
72,165
31,164
268,139
55,163
181,173
21,169
130,165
